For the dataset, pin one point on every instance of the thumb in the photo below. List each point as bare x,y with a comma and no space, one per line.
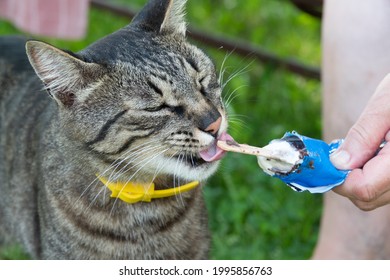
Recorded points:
365,136
360,145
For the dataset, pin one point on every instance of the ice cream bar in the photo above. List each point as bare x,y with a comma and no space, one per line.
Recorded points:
301,162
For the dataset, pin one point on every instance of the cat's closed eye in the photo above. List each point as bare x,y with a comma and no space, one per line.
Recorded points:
157,108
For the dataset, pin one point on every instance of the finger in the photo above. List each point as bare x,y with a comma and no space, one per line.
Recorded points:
361,197
370,185
372,205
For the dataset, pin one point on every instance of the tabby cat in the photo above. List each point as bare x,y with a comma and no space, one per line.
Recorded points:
140,105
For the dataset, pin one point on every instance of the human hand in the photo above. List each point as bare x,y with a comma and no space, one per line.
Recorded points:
368,184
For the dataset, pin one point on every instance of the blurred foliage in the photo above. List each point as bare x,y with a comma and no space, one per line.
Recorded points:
13,252
252,216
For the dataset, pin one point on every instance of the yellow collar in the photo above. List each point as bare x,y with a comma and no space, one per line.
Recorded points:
133,192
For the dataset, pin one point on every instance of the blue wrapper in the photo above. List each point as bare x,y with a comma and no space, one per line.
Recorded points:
316,173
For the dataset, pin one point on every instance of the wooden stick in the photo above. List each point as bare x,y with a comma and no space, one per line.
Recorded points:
232,146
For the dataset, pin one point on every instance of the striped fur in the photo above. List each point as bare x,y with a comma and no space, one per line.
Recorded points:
133,106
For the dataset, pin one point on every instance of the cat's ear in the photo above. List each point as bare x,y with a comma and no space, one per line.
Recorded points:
162,16
63,74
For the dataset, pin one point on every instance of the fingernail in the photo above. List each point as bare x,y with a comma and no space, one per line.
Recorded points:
340,159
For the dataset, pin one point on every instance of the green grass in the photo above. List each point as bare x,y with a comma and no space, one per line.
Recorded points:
13,252
252,216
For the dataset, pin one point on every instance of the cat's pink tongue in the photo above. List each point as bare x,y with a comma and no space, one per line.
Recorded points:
214,153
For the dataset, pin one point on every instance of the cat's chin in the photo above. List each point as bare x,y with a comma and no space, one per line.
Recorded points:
190,168
199,173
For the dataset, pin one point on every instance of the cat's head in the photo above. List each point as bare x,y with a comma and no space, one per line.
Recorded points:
142,101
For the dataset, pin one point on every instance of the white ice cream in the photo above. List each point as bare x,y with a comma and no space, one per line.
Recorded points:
282,149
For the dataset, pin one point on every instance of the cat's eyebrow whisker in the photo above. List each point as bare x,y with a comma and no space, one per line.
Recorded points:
222,72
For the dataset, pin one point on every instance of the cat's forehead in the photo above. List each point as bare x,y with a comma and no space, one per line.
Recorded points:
142,49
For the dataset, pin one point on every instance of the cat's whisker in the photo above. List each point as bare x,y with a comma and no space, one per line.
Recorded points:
159,167
135,149
237,73
143,163
148,160
102,189
239,122
192,159
184,159
182,164
176,175
241,117
120,160
95,181
116,163
132,162
113,178
174,170
223,68
127,167
131,153
233,95
134,157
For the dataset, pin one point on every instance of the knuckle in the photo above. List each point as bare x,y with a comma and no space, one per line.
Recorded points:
364,206
363,138
361,134
364,193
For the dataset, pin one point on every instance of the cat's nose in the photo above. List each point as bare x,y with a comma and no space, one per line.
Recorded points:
214,126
